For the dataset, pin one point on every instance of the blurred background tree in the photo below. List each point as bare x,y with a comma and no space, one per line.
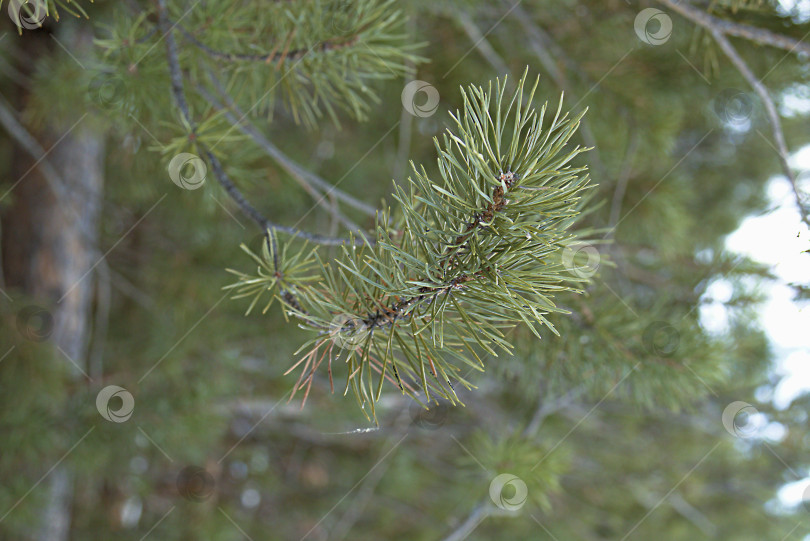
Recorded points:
635,422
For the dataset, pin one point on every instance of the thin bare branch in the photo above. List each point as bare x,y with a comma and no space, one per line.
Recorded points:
731,28
541,43
247,128
773,115
9,121
480,42
299,173
478,514
621,183
176,78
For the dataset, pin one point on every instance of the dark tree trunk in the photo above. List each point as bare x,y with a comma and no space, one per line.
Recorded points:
49,247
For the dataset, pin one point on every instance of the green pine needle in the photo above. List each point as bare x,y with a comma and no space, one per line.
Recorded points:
466,258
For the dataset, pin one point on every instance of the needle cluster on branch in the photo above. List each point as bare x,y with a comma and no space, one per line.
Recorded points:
461,259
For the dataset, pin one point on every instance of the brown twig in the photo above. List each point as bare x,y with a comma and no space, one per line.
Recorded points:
272,56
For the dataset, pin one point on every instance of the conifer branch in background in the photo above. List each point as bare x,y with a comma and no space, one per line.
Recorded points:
229,187
467,256
719,28
31,14
773,118
732,28
321,188
285,162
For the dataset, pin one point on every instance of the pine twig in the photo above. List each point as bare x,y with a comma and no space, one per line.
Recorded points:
772,113
284,161
389,316
176,77
541,43
476,517
271,57
468,255
249,129
621,184
304,177
731,28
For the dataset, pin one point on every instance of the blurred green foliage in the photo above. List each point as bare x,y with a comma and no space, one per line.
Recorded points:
622,411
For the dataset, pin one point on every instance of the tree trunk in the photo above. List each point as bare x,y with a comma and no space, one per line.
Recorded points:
49,248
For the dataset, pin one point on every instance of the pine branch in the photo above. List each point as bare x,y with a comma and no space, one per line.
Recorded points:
273,56
542,46
477,516
719,28
249,129
773,116
465,257
293,168
230,188
731,28
323,57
